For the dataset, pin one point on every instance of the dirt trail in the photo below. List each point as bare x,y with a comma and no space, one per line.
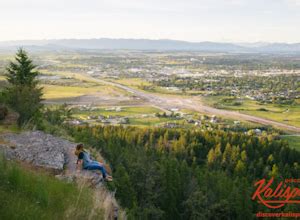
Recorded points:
167,102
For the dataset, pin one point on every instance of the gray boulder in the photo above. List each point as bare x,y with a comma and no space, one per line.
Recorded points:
38,149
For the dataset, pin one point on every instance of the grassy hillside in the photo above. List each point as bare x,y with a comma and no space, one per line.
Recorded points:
27,194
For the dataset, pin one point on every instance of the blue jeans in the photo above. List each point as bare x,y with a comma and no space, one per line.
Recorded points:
96,166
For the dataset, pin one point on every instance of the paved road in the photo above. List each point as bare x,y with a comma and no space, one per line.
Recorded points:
167,102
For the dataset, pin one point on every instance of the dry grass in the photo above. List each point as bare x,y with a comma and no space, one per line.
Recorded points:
56,91
104,202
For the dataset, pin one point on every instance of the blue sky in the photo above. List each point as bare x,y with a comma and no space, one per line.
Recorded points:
191,20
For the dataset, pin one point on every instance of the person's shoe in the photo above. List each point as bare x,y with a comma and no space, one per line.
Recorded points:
108,178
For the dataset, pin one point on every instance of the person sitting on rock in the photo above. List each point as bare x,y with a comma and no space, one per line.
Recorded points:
84,160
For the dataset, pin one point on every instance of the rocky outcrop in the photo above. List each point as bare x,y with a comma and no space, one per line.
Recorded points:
38,149
47,151
44,150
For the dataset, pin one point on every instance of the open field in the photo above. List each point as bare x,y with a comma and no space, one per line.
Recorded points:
125,111
153,121
56,91
143,85
146,86
132,82
288,114
85,79
75,85
69,74
137,115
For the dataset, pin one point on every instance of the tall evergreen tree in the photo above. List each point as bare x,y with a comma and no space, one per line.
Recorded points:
23,94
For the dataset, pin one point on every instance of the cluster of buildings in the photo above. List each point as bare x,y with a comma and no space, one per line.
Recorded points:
111,119
268,97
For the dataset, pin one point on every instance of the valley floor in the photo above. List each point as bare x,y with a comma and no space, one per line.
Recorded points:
168,102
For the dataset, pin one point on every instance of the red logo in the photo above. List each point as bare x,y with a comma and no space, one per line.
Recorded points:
275,197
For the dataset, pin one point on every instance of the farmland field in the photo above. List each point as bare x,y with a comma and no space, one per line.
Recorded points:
152,121
124,111
132,82
289,114
137,115
56,91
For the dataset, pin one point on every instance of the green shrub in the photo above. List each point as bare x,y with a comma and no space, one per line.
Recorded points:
236,103
262,109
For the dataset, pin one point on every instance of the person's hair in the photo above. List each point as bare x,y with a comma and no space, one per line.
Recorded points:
79,148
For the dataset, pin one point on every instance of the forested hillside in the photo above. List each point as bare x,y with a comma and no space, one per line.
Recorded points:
189,174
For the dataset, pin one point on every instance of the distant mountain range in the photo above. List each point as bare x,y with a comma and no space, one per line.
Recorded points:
145,44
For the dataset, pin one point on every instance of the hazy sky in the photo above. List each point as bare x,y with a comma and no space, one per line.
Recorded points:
191,20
